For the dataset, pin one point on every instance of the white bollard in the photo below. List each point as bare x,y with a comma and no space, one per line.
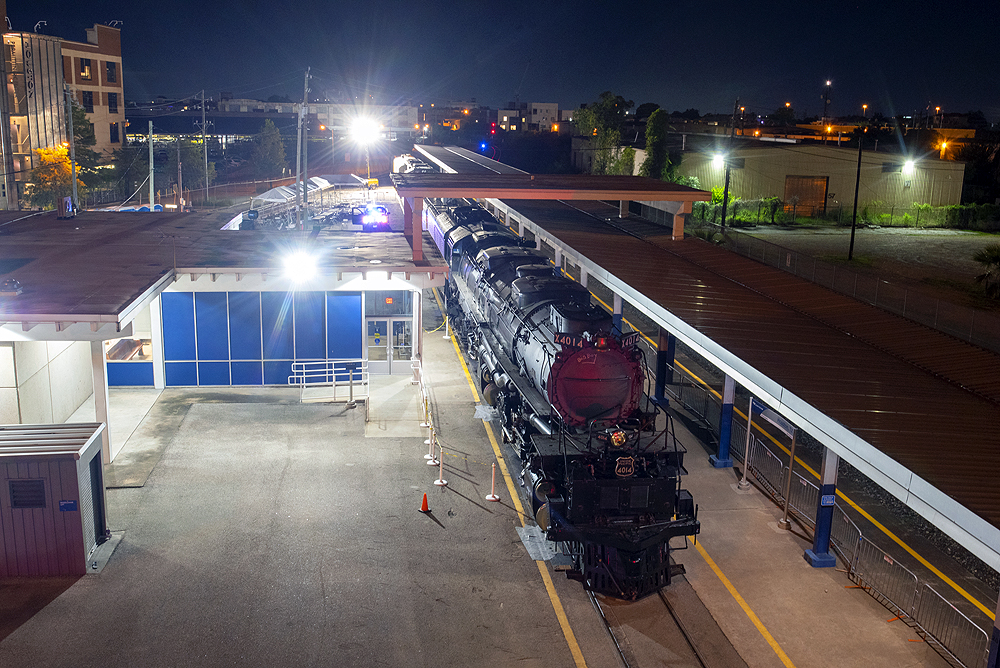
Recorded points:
441,482
492,496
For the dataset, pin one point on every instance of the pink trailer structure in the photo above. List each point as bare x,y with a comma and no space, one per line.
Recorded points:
52,503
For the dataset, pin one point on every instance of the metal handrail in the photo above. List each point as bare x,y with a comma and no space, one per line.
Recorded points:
335,374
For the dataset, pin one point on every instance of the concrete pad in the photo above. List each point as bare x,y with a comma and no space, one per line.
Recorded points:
127,407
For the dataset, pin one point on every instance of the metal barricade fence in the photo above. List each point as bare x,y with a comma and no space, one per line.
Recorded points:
804,498
764,465
962,638
845,536
888,581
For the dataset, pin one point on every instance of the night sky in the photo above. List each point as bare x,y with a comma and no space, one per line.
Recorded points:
897,57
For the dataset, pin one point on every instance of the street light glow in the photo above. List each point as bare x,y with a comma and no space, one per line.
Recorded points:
718,161
908,167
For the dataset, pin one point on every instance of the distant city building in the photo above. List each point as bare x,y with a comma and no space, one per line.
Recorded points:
393,119
33,111
533,116
93,71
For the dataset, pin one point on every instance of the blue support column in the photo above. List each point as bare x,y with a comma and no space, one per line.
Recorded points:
994,659
820,555
616,315
665,351
723,460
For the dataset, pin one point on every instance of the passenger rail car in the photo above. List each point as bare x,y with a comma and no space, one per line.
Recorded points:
600,461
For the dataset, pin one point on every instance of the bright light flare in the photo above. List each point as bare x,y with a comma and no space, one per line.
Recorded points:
718,161
300,266
908,167
364,130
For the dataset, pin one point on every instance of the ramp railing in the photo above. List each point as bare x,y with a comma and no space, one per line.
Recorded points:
344,380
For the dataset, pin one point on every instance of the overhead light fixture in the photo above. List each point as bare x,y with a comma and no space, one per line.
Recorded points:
300,266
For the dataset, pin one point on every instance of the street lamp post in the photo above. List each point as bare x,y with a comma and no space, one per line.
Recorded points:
857,185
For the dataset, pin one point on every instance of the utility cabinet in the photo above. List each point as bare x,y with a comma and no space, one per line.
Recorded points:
52,503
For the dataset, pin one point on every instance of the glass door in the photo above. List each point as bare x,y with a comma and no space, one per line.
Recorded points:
378,345
402,346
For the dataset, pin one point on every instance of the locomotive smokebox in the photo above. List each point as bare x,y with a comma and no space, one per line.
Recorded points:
594,383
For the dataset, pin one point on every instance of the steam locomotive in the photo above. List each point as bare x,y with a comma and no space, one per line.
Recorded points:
568,390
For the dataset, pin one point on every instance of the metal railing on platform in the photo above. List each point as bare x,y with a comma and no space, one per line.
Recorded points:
957,637
332,380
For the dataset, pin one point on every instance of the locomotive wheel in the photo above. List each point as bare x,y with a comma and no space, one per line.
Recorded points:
542,517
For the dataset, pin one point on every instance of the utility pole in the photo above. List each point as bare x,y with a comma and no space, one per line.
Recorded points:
725,188
857,185
180,181
204,143
305,150
72,146
298,173
150,165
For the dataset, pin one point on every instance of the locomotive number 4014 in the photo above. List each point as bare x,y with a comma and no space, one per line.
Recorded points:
568,340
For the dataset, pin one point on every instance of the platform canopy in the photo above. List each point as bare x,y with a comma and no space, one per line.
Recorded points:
545,186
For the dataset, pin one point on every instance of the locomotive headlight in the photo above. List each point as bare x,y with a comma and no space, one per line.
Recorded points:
618,438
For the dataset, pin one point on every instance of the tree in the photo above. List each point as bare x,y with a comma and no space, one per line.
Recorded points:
193,165
782,116
131,166
623,163
657,156
989,257
87,159
268,154
52,179
602,121
645,110
982,171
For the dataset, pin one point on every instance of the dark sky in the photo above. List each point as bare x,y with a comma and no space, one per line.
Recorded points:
896,56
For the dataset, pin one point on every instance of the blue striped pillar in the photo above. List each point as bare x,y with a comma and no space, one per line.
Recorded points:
820,555
665,351
723,460
616,315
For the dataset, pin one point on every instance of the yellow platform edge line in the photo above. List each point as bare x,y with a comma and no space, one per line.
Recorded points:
746,607
557,607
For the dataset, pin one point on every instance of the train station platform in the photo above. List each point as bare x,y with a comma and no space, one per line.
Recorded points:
254,530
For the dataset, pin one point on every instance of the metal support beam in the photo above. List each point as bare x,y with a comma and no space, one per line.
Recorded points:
616,315
820,556
665,350
623,208
723,460
99,366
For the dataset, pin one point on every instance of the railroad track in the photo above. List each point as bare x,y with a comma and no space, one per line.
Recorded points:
670,628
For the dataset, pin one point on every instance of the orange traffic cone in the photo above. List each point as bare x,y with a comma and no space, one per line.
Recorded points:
424,508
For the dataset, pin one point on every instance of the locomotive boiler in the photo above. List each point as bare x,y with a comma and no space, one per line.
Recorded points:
600,462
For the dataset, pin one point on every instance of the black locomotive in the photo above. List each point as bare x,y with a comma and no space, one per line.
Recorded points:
568,389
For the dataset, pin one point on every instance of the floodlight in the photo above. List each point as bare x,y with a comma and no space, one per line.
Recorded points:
300,266
364,130
718,161
908,167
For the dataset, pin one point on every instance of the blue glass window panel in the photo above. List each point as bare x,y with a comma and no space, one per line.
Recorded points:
130,373
178,325
247,373
181,373
213,373
244,329
309,321
276,329
344,326
277,372
213,326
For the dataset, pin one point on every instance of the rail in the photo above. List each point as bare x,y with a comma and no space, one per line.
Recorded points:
344,380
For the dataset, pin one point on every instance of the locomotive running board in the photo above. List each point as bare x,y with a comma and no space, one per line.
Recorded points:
534,398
